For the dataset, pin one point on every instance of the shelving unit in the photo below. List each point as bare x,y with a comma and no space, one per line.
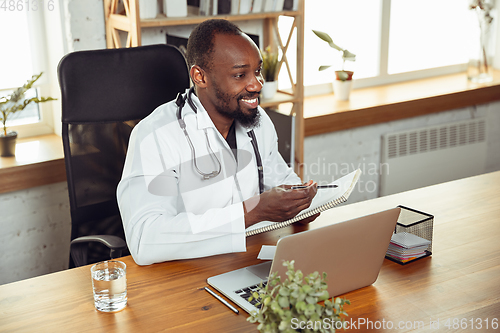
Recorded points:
128,20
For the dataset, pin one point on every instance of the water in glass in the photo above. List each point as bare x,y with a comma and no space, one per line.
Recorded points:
109,281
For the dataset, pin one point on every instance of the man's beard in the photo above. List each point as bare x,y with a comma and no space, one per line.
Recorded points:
250,120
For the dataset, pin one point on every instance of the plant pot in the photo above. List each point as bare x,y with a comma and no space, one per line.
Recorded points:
269,89
8,144
342,89
343,75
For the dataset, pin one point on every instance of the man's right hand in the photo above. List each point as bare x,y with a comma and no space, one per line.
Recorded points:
278,204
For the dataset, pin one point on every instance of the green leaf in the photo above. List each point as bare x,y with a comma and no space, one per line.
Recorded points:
346,55
324,296
283,302
284,291
311,300
284,325
300,306
16,101
326,37
310,309
306,289
323,35
270,64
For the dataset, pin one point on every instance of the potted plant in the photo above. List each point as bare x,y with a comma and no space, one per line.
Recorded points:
298,304
343,82
479,69
11,104
269,72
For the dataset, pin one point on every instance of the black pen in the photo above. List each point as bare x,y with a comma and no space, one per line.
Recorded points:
222,300
318,187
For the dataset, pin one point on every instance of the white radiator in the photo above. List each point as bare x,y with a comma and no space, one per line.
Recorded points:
431,155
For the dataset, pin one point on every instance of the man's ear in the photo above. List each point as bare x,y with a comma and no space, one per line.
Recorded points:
198,75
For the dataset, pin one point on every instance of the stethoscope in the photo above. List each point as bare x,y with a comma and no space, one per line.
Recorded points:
180,101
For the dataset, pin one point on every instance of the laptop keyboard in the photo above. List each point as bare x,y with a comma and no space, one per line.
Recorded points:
245,293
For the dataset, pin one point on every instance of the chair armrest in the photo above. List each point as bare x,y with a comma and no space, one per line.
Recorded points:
79,247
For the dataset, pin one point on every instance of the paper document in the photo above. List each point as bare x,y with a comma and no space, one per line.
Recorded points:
267,252
408,240
323,200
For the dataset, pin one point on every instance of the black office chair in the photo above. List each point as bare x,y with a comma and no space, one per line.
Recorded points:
105,93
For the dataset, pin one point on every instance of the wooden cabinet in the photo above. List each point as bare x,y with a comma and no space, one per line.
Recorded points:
127,19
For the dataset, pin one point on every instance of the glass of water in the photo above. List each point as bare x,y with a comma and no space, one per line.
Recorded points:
109,281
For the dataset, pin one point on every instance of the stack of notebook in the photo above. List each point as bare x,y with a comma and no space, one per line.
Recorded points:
405,247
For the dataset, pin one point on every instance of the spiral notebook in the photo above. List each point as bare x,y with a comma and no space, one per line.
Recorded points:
324,199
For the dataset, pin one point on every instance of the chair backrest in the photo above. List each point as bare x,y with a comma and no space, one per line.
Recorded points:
104,94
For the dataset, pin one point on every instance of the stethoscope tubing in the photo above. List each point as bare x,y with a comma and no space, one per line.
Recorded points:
180,102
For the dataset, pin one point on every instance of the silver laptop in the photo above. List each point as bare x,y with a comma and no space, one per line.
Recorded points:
350,252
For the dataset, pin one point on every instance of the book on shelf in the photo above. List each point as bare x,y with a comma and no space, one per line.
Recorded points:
215,6
291,5
223,7
269,5
235,7
193,7
257,6
205,7
175,8
148,9
245,6
323,200
278,7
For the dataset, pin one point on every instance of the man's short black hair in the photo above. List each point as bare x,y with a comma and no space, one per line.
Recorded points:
200,45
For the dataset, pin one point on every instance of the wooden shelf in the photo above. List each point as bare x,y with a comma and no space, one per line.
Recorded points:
39,161
162,21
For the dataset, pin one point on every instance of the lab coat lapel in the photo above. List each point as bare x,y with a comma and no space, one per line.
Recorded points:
202,118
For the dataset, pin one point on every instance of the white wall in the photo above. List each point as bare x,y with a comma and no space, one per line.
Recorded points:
328,156
35,235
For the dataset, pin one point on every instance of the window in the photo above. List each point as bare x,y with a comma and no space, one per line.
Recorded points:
394,40
439,42
21,35
353,25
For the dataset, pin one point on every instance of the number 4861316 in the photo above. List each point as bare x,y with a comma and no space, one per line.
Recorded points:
26,5
472,323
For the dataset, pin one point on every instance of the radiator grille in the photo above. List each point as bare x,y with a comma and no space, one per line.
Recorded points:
426,156
435,138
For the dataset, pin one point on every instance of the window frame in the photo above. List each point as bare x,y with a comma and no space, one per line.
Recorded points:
39,58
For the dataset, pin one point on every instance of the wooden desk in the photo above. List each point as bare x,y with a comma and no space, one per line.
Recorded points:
461,280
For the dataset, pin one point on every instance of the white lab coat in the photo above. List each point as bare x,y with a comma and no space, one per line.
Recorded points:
169,212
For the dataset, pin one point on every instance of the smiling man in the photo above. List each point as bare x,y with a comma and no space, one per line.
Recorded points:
202,168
